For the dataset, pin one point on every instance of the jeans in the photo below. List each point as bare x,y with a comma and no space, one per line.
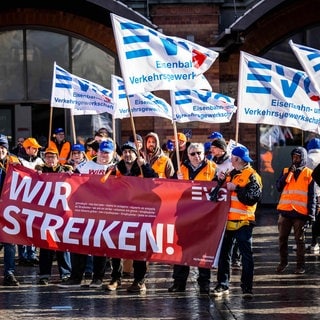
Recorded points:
9,258
243,236
89,264
46,259
27,252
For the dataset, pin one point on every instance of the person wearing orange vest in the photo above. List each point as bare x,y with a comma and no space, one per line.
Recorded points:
197,167
155,156
245,186
296,207
60,143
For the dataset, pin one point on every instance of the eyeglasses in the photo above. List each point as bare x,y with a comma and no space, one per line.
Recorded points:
194,153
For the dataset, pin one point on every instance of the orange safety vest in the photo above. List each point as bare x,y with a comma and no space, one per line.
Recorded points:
64,152
207,173
295,193
159,166
238,210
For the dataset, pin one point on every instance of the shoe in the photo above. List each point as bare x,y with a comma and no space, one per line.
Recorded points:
10,281
220,290
300,270
204,289
137,287
70,283
65,278
43,281
88,276
177,287
113,285
34,261
236,265
247,294
281,267
315,248
95,283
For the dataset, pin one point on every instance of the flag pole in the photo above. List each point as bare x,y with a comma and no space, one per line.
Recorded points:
134,131
175,131
239,102
50,124
73,127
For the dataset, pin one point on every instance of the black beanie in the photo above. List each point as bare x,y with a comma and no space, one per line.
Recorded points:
219,143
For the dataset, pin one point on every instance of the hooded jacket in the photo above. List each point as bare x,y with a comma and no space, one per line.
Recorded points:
159,162
298,199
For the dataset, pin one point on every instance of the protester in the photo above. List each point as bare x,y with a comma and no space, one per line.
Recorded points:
197,167
131,165
183,154
60,143
92,147
19,150
296,207
139,141
52,165
245,186
30,159
223,161
99,165
9,248
77,155
155,156
313,148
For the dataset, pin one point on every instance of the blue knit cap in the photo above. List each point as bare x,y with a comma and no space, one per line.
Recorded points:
313,144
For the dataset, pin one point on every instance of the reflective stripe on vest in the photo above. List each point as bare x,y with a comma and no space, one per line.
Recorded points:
295,193
238,210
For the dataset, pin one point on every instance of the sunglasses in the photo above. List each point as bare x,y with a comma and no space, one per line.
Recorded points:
194,153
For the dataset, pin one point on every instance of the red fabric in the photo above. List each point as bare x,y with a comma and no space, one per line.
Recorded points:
162,220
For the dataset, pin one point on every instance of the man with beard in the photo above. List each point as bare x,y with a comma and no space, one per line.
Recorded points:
155,156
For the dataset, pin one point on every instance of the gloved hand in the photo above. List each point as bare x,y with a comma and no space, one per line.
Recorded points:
292,168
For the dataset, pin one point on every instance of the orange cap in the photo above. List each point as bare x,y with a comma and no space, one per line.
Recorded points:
181,136
31,142
51,150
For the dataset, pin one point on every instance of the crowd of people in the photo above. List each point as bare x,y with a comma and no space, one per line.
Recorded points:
146,157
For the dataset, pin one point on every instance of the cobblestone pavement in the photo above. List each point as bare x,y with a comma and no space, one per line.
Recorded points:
285,296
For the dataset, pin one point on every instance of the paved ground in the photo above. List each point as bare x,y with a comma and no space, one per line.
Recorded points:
286,296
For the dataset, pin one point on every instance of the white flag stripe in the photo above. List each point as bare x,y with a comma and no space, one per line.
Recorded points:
310,61
151,61
271,93
78,94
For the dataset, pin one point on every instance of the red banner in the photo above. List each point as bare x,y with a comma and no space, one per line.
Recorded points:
163,220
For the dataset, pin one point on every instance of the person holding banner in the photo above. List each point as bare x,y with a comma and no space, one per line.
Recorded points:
197,167
51,164
100,165
9,248
131,164
30,159
77,155
297,207
245,186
